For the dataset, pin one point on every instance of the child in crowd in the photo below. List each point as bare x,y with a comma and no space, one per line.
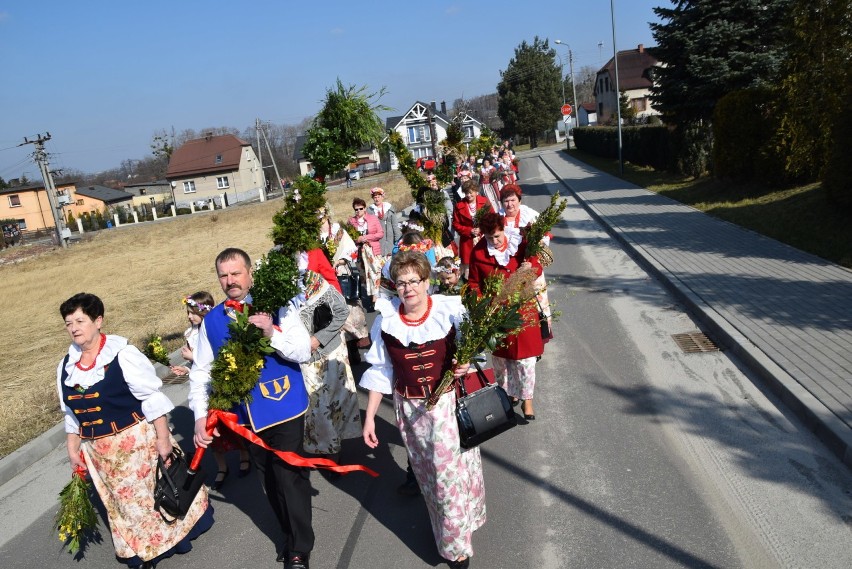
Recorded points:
448,270
197,307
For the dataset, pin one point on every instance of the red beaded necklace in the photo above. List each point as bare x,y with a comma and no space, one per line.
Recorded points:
418,321
504,246
94,361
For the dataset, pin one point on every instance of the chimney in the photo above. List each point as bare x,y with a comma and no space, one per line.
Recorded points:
444,107
641,48
208,136
434,107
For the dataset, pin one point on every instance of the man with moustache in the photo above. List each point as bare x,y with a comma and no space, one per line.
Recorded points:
278,402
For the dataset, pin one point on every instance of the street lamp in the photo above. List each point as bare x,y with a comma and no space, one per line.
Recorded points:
617,92
573,86
561,76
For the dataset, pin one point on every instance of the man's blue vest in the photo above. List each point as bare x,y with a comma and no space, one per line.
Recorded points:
278,396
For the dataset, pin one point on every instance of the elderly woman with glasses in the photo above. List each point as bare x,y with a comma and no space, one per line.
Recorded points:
413,345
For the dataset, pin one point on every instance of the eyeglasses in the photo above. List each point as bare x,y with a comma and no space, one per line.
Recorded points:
400,285
359,209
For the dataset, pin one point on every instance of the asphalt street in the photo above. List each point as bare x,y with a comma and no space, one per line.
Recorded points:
640,456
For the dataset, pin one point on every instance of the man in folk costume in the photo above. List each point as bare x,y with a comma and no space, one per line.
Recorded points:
278,401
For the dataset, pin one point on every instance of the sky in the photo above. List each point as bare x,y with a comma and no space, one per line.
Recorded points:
102,77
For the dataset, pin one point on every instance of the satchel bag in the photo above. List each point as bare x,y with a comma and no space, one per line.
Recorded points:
322,317
350,283
175,487
484,413
544,324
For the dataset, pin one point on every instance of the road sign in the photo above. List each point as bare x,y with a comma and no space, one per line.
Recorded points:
566,109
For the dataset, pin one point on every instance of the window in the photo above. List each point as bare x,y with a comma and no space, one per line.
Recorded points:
640,104
218,159
468,131
79,202
22,224
413,134
222,182
15,200
189,187
142,192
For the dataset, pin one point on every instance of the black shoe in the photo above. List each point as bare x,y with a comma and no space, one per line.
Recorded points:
459,564
283,556
297,561
245,468
409,487
219,481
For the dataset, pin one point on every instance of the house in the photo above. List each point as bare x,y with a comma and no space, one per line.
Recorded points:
207,168
93,199
151,193
366,159
587,114
29,207
414,128
635,78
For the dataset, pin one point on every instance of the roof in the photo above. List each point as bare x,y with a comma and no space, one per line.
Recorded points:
589,107
104,194
35,187
149,184
207,155
634,69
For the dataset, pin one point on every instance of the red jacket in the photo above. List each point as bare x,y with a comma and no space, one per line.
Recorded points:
528,342
463,224
374,231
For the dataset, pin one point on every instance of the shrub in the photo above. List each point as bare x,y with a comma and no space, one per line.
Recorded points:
743,124
836,176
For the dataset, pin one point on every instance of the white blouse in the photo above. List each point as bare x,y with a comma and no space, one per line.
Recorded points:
446,311
138,372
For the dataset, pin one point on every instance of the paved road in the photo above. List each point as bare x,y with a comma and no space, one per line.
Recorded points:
641,456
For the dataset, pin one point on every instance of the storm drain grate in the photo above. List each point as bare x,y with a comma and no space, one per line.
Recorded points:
694,342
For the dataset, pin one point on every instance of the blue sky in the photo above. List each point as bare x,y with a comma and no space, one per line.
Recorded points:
103,76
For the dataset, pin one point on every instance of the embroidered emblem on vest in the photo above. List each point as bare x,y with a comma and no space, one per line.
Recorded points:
275,388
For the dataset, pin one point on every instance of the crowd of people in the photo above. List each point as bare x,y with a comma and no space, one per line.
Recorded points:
379,264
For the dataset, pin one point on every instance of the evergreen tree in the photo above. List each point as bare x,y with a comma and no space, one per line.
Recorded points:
530,93
811,93
711,47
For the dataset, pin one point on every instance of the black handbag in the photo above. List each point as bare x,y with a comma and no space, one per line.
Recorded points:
350,284
322,317
544,324
484,413
175,486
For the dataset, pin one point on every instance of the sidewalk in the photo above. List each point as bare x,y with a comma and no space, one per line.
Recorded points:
785,313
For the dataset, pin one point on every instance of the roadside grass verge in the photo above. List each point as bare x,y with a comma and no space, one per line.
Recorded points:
801,217
141,272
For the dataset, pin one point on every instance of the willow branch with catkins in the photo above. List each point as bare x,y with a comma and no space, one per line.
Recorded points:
542,225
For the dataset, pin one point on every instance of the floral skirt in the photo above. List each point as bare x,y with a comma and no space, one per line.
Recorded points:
123,467
371,269
449,477
333,412
517,377
355,326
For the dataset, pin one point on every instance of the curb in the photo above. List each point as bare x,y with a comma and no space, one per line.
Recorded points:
19,460
816,416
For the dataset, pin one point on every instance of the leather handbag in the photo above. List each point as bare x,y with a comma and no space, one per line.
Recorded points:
175,486
483,413
350,283
544,324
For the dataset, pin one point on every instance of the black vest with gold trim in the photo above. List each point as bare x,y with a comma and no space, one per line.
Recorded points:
105,408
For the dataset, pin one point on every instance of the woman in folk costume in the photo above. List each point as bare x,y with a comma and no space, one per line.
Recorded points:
502,253
116,429
333,413
516,217
413,346
464,213
486,184
369,244
389,219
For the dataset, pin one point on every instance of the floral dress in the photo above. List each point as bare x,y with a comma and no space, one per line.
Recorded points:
123,465
449,477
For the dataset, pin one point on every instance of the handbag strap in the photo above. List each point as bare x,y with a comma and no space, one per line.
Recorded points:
162,473
479,373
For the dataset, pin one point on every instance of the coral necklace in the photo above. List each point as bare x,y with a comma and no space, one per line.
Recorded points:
417,321
88,367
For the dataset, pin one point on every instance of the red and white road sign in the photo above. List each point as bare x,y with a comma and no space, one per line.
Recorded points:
566,109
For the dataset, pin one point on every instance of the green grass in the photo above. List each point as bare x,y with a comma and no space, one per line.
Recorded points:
801,216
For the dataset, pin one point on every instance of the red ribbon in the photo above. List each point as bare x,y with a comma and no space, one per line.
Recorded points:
235,304
80,471
216,417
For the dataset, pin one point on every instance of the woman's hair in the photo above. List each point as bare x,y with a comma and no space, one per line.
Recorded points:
359,201
410,260
491,222
510,190
91,305
199,303
470,185
412,237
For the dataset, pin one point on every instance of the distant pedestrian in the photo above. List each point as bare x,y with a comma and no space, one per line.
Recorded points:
348,178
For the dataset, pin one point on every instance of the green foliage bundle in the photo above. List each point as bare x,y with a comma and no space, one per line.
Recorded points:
409,171
276,281
296,226
482,145
536,230
237,366
154,349
326,154
76,520
492,315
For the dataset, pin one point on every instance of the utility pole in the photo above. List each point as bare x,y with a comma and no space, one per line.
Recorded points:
274,165
574,88
259,154
40,157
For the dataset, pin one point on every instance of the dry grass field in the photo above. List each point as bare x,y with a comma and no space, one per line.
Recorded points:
141,272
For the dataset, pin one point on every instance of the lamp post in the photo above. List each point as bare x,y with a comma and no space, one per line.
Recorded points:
573,86
561,75
617,92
